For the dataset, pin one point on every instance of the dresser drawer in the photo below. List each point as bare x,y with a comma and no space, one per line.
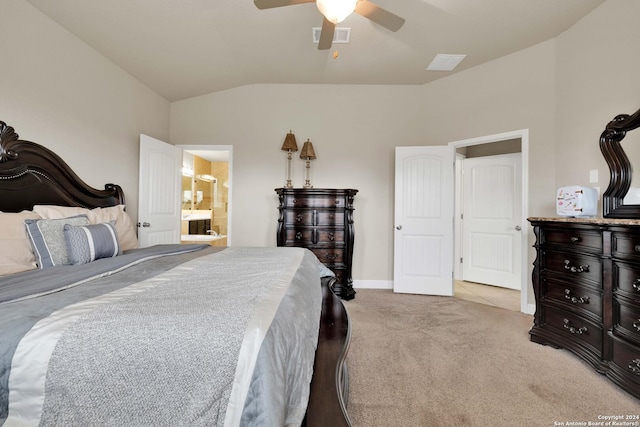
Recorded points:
331,236
627,321
574,238
577,298
627,358
300,236
574,327
625,245
315,201
329,256
626,277
572,267
314,217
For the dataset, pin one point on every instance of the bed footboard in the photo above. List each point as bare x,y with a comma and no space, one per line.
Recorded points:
330,383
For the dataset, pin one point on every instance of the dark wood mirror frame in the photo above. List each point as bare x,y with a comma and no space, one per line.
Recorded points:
619,167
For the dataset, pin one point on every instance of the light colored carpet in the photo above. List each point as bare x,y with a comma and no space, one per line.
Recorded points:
442,361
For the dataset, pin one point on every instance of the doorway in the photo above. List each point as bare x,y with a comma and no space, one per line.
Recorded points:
497,144
206,194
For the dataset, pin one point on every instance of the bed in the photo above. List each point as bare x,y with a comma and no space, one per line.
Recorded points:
96,331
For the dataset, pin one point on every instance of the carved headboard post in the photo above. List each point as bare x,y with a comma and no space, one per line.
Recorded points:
620,169
32,174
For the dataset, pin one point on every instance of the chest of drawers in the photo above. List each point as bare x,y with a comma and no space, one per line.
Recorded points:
586,280
322,221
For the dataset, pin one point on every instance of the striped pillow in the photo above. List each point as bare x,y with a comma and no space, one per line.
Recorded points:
86,243
48,241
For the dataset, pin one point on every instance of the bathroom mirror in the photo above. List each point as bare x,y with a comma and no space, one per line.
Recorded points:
620,168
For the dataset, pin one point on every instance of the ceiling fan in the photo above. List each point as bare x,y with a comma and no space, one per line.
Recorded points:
336,11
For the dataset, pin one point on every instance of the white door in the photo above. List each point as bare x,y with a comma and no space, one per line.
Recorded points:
492,214
159,192
424,202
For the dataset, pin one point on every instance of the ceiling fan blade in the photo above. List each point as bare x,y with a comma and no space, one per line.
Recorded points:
379,15
326,35
269,4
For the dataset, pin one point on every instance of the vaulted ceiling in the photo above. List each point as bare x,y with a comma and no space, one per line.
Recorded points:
187,48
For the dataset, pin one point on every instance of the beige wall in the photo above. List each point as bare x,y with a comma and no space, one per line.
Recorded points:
57,91
561,90
598,74
354,130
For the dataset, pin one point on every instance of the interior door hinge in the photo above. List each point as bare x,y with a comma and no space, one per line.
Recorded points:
460,260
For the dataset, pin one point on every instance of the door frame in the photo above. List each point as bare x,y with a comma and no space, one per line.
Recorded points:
523,135
229,149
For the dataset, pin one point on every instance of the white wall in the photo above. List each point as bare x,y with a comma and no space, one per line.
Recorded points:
57,91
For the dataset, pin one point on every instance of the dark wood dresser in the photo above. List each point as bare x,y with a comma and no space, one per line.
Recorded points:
322,221
586,280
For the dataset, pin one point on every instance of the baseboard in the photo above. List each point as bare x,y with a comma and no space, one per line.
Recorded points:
373,284
531,309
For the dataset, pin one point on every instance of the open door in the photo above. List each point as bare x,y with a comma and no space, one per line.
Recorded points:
492,213
424,209
159,192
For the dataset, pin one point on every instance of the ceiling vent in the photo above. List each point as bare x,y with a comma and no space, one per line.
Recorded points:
340,35
445,62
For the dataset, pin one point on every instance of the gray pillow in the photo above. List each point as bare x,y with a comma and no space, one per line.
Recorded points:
86,243
48,241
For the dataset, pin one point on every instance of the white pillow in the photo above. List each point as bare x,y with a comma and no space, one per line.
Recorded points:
15,248
125,229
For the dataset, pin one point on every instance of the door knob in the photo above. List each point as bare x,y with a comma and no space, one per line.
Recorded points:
518,228
398,227
144,224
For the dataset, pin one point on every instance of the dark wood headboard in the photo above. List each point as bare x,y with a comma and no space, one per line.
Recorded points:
31,174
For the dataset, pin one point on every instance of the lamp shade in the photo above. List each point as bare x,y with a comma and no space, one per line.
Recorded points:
336,10
289,143
308,151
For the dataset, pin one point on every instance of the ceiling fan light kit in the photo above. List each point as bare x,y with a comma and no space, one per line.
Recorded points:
336,10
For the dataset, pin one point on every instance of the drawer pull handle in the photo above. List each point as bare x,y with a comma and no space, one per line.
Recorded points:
574,269
331,257
634,366
332,237
299,217
574,299
571,329
298,235
575,239
636,285
637,248
636,325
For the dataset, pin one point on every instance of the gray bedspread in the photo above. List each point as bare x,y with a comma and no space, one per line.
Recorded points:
199,338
